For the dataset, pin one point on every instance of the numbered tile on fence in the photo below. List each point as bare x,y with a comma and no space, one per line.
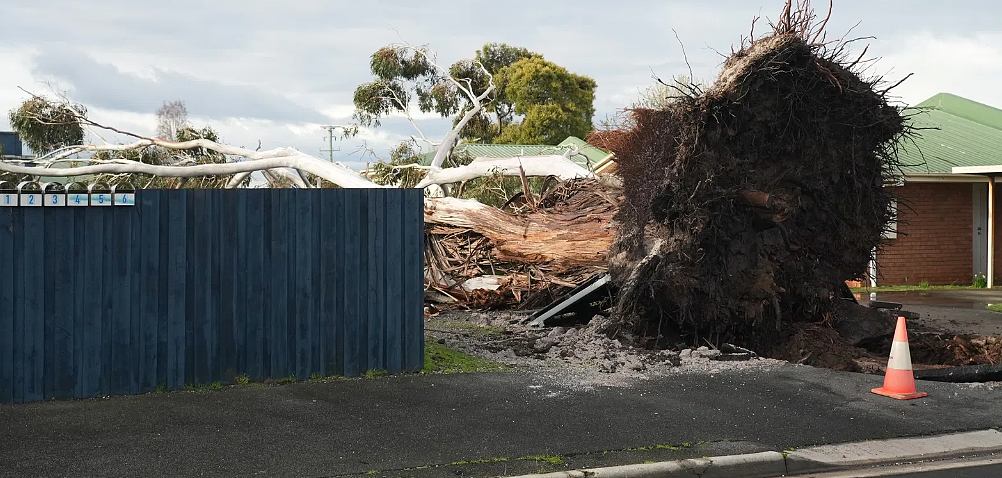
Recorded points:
31,200
125,199
100,199
55,200
76,199
8,199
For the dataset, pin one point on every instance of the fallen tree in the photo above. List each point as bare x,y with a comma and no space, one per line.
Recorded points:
747,205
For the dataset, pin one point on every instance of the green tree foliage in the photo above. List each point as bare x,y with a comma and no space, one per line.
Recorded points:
554,102
551,102
47,125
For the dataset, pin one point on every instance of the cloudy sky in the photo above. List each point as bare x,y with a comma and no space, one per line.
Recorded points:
274,71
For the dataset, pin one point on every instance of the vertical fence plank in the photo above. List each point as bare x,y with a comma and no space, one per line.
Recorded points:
63,301
226,214
303,235
362,278
394,285
376,267
234,247
253,288
93,298
79,276
340,264
48,263
121,289
278,274
350,257
7,339
137,340
213,265
176,247
413,313
329,261
151,287
33,299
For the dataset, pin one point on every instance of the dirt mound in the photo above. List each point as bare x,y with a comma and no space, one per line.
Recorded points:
818,346
747,205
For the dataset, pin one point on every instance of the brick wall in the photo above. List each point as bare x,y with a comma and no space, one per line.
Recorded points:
934,237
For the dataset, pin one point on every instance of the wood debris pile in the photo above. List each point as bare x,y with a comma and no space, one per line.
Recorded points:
522,257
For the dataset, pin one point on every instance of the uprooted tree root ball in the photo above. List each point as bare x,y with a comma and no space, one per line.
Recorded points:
748,205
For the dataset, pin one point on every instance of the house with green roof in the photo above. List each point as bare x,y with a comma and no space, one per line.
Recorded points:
944,228
587,156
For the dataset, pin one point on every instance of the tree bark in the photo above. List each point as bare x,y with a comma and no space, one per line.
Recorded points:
559,240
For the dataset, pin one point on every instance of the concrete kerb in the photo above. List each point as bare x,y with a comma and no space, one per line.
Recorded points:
844,456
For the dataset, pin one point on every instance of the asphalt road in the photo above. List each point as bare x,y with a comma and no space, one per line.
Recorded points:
391,424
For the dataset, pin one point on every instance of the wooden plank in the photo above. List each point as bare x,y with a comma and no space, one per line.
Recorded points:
394,284
50,230
337,236
79,275
316,284
413,303
120,288
150,290
376,260
252,289
137,340
36,323
362,279
328,276
176,247
109,254
352,290
305,263
278,274
58,259
163,283
213,266
92,313
19,319
7,304
233,320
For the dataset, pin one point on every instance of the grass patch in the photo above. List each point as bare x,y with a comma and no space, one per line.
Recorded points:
376,373
289,379
243,379
551,459
441,359
995,307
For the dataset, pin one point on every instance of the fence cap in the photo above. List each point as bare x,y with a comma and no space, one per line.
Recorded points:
50,188
123,187
28,186
76,187
99,187
7,186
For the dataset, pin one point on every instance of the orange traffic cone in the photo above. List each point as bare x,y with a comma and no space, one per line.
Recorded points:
899,381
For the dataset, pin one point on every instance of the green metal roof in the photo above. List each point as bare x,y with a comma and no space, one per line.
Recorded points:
955,132
589,155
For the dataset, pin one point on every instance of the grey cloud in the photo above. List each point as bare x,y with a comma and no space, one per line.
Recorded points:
102,85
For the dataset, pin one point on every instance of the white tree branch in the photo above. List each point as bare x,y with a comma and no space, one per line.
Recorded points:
258,161
551,165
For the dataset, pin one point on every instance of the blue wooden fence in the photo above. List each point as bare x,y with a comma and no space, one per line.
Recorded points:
190,287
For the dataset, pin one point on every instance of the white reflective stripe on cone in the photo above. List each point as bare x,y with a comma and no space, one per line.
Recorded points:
900,358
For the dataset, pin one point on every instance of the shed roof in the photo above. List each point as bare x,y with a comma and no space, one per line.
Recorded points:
954,132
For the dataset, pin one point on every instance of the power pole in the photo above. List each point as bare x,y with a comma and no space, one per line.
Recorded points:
330,141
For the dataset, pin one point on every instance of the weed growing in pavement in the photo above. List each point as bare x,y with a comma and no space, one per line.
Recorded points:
162,388
243,379
995,307
376,373
289,379
551,459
